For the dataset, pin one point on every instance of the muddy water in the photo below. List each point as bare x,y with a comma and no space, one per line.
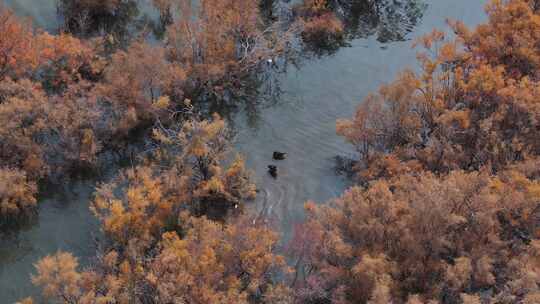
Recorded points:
301,122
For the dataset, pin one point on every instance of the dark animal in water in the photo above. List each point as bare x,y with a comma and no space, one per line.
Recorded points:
272,170
279,155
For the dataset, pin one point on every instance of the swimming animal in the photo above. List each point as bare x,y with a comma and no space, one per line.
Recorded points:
273,171
279,155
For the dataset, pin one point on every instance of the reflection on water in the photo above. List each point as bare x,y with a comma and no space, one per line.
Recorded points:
317,93
123,20
86,17
388,20
128,19
297,116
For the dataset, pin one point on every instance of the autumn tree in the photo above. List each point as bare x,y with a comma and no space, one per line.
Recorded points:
142,85
508,39
234,263
220,42
436,237
17,195
320,25
49,135
41,135
64,60
22,116
446,209
184,173
51,59
51,122
447,205
160,247
466,109
17,54
208,263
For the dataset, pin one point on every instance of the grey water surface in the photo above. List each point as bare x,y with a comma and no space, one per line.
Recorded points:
301,122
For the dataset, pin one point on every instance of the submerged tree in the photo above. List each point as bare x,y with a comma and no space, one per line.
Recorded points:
208,263
185,173
16,45
86,17
161,247
137,80
330,24
17,195
54,60
435,237
321,26
469,108
448,205
221,42
50,122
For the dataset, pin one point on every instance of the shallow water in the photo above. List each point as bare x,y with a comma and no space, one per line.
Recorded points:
65,223
301,123
41,12
316,95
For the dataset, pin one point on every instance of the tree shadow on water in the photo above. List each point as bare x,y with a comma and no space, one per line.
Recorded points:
387,20
121,21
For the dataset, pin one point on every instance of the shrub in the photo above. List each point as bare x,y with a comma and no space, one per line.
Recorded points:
17,196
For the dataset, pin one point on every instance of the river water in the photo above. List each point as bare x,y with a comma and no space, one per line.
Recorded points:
301,122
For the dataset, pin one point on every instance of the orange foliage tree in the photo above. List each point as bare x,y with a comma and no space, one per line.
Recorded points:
158,249
47,135
425,238
468,108
16,45
17,195
209,263
140,84
219,42
54,60
447,208
321,26
50,120
185,172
